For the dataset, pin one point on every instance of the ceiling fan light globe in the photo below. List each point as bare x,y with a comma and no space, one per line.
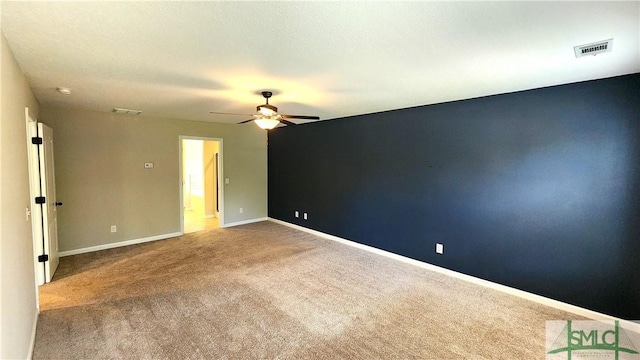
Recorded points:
266,123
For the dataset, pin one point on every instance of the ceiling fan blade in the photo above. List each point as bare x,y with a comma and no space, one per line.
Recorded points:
287,122
224,113
300,117
246,121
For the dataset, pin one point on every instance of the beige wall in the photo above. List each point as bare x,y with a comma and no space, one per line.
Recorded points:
18,304
101,179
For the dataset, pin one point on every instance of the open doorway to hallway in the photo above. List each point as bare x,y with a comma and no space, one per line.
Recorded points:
201,161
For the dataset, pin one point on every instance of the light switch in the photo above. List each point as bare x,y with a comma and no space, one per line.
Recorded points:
226,180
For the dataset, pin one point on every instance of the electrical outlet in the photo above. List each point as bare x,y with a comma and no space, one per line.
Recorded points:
304,216
439,248
297,214
241,210
148,165
114,228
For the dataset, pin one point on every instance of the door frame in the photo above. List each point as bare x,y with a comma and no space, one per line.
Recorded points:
220,171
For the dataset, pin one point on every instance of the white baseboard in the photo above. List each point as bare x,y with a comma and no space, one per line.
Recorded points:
32,342
627,324
244,222
147,239
209,217
118,244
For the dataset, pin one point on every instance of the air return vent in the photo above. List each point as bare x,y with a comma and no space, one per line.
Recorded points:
593,48
126,111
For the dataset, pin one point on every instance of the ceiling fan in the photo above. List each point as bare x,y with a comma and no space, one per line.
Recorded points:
267,117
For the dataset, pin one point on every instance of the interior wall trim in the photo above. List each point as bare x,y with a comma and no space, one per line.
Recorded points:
32,342
244,222
118,244
146,239
626,324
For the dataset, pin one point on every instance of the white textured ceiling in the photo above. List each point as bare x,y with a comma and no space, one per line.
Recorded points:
331,59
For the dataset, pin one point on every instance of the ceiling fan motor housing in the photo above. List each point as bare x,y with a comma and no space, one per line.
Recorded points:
270,107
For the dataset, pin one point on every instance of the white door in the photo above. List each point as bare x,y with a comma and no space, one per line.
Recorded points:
49,192
43,200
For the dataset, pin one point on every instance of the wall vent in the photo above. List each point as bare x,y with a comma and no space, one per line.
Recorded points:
127,111
593,48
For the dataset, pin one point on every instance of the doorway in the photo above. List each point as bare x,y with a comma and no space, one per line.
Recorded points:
200,186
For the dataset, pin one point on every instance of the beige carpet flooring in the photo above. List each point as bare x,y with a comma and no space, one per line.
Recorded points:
266,291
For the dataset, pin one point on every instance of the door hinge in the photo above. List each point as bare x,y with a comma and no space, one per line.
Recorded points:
40,200
43,258
36,140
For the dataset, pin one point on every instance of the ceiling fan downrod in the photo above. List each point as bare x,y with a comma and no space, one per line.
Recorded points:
274,110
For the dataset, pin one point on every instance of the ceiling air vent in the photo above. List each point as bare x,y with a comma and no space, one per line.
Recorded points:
593,48
126,111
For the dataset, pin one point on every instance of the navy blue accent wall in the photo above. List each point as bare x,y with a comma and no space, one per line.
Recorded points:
538,190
